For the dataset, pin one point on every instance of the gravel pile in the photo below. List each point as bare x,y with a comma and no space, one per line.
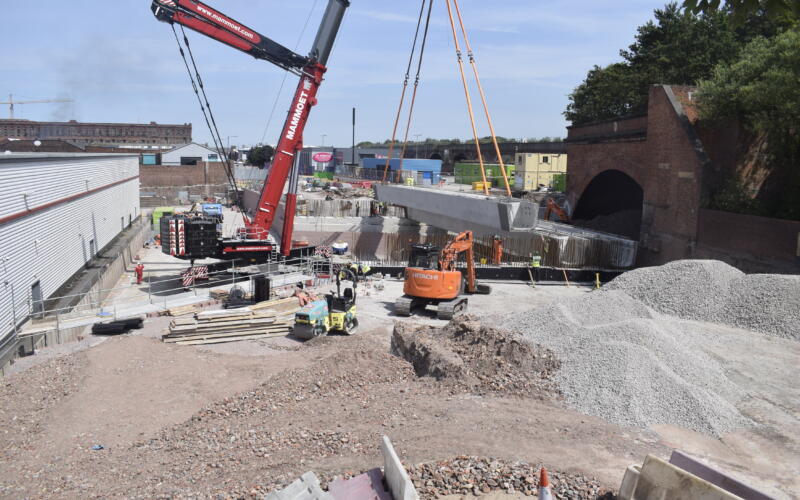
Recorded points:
478,476
627,364
712,291
468,355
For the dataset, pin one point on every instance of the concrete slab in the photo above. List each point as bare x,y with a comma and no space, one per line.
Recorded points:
305,488
367,486
400,485
660,479
484,215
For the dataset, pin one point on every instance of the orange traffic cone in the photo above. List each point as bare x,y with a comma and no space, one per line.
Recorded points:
544,486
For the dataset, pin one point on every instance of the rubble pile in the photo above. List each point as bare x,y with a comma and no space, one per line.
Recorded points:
468,355
479,475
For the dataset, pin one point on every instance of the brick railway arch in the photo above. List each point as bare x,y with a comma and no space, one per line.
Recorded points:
612,202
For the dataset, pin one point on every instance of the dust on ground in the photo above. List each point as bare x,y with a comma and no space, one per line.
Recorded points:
181,421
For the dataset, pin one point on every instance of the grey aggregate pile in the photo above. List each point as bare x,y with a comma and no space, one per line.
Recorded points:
712,291
628,364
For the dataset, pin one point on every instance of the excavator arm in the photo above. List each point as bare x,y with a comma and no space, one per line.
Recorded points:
202,18
463,243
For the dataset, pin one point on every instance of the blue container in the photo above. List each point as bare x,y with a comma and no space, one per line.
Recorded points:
408,164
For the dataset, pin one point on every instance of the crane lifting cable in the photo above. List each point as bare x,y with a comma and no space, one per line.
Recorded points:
416,84
474,65
205,108
405,88
466,93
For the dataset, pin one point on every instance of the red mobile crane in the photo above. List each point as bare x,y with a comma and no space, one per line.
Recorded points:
254,242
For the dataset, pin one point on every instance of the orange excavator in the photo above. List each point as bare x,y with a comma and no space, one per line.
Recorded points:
432,278
552,206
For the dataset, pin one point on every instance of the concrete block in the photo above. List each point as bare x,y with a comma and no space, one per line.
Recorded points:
659,479
400,485
716,477
460,211
305,488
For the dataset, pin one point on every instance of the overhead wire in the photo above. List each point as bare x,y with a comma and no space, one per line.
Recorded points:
205,108
474,65
405,88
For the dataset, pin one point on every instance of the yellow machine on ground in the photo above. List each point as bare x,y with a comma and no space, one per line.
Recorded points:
334,313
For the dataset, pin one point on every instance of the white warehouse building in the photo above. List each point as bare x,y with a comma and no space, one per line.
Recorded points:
57,210
189,154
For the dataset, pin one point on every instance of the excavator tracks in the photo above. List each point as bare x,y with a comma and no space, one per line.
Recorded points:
449,309
403,305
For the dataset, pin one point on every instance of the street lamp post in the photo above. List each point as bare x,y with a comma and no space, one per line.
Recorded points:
323,138
228,149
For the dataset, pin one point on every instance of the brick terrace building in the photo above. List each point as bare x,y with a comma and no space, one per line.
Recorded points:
130,135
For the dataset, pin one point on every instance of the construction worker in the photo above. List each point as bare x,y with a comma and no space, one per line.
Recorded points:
497,250
139,269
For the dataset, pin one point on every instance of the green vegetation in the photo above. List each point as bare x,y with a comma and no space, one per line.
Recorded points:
680,48
744,55
741,10
760,90
260,155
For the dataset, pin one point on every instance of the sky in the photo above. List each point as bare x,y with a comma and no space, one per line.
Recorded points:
121,65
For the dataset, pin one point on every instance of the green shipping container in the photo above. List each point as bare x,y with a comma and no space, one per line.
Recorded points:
560,183
467,173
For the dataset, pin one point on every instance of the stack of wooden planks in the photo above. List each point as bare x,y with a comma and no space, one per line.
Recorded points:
279,306
182,310
263,320
215,327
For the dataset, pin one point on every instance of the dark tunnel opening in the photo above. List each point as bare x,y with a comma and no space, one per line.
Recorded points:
612,202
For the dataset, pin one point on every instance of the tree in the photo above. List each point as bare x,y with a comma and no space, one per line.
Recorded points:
260,155
680,47
606,93
759,90
741,10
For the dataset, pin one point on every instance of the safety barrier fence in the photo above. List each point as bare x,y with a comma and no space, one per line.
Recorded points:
166,292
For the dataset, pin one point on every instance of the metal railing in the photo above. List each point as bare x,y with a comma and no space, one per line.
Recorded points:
166,292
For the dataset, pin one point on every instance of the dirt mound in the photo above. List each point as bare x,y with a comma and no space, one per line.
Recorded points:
467,354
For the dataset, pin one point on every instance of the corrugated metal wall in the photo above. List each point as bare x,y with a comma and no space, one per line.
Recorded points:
50,245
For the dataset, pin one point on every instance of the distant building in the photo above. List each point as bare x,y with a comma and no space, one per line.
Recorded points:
540,170
189,154
59,211
37,146
128,135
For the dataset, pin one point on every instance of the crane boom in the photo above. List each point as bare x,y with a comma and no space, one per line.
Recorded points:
11,102
202,18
